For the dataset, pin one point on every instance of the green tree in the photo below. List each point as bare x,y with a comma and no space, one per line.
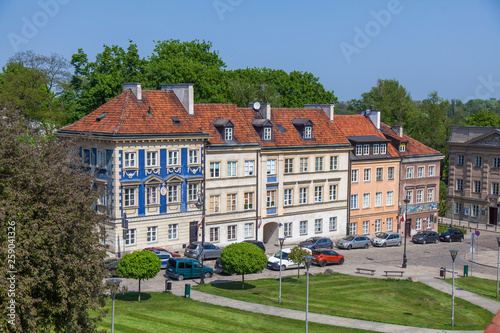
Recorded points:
483,118
443,205
140,265
296,255
243,258
51,234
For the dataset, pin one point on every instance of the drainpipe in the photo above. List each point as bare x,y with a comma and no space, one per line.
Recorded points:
257,195
348,222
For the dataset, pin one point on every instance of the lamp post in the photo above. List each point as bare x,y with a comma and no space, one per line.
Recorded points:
201,204
307,259
498,262
282,240
405,217
114,284
453,256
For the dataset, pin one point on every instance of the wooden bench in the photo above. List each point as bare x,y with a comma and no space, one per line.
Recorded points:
387,273
365,271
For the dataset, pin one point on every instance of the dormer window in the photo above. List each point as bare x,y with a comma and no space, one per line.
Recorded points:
267,134
308,132
402,147
264,128
228,133
225,127
304,127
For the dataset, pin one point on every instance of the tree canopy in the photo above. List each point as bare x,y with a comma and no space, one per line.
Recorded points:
139,265
243,258
297,256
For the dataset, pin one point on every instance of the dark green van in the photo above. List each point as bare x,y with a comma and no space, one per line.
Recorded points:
186,268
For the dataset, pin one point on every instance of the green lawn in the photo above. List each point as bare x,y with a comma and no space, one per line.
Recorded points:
483,287
384,300
161,312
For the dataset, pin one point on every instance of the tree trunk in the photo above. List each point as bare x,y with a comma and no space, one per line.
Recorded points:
139,291
298,272
242,281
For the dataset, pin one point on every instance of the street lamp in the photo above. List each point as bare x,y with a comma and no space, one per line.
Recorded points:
113,286
453,256
201,204
498,262
282,240
405,217
307,259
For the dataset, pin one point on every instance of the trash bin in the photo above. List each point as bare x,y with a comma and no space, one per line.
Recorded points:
442,272
168,286
187,290
466,270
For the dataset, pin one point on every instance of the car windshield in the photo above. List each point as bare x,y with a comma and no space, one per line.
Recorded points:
285,255
348,238
381,235
192,246
309,240
420,233
449,231
316,253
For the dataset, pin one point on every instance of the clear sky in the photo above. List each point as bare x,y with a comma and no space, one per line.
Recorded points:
450,46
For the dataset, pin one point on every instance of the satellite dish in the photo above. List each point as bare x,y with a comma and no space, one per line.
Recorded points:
256,106
368,111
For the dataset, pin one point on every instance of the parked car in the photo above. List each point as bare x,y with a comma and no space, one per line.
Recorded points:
324,257
186,268
353,242
425,237
451,235
314,243
210,251
218,268
387,239
160,250
258,243
273,262
111,264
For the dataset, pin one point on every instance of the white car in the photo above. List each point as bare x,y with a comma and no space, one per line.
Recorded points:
274,261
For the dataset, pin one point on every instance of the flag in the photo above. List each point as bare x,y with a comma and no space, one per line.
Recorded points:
403,218
260,222
201,221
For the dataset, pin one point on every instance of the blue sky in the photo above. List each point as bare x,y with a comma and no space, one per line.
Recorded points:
452,46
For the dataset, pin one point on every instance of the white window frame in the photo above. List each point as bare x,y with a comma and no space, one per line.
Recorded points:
232,199
308,132
173,157
214,204
354,176
249,168
378,225
151,159
409,172
366,149
173,193
193,191
390,173
267,134
101,159
458,208
354,228
131,237
418,224
193,156
228,133
304,164
303,193
271,198
214,234
376,149
431,170
173,231
477,186
379,174
495,188
366,227
303,228
271,167
496,162
359,150
366,200
287,229
430,195
333,192
232,168
367,175
129,160
129,197
248,201
152,234
151,195
420,194
318,226
231,232
378,199
474,212
460,159
248,230
409,196
214,169
460,185
388,224
389,198
334,162
318,194
383,148
478,161
319,165
288,196
288,165
420,172
354,201
332,223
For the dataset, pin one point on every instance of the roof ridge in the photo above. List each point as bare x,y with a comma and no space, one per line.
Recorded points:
123,111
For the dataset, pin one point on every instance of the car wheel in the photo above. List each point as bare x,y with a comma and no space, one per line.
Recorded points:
449,240
341,261
424,242
366,246
208,275
323,263
349,247
180,278
436,241
384,245
283,267
330,247
461,239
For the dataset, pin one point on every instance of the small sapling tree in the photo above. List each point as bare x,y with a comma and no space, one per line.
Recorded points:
243,258
296,255
140,265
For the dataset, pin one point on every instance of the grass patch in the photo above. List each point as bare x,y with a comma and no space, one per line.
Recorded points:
391,301
164,312
483,287
444,227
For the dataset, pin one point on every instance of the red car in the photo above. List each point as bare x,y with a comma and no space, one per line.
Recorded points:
159,250
327,257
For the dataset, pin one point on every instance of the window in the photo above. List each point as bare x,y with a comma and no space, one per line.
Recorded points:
475,211
288,197
420,172
390,173
388,199
267,134
354,228
101,158
193,157
477,186
378,199
304,164
409,172
307,132
419,223
287,229
173,193
383,148
354,176
271,198
214,204
430,195
151,195
409,196
214,169
318,194
231,232
214,234
460,185
359,150
430,220
129,197
249,168
458,208
172,231
173,157
366,149
231,168
367,175
378,225
366,200
102,198
388,224
129,160
366,227
333,192
152,235
354,201
419,196
151,159
303,227
303,195
319,163
248,200
334,162
332,225
380,174
288,165
494,188
477,161
376,149
193,191
431,170
271,167
460,159
496,162
228,133
231,202
402,147
130,239
318,225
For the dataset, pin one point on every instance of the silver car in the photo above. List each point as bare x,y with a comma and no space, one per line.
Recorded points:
353,242
387,239
210,251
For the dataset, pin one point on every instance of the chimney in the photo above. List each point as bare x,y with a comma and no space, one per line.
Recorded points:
398,130
185,94
328,108
374,116
136,89
265,110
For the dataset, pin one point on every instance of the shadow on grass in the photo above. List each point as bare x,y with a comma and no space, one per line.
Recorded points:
233,286
132,297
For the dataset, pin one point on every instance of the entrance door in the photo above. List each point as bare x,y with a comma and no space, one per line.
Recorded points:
271,233
193,232
493,218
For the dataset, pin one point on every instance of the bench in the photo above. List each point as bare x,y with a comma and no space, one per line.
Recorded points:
387,273
365,271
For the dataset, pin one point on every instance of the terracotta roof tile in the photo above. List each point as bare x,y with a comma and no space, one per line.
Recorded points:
413,146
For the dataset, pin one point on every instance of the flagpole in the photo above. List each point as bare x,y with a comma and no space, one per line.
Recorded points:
406,231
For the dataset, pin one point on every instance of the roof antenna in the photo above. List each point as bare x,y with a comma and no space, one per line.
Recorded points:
149,111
